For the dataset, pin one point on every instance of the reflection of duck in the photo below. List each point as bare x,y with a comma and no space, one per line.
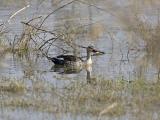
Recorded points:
74,70
66,70
74,61
89,73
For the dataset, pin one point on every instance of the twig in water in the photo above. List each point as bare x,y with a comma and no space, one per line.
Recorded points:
55,11
52,39
38,28
17,12
34,19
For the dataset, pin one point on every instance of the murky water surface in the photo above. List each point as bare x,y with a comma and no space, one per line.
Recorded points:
121,61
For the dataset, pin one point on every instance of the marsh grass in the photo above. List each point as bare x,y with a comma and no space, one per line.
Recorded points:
3,44
13,86
7,3
103,98
23,44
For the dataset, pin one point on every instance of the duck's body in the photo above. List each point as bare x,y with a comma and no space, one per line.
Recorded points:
71,60
66,60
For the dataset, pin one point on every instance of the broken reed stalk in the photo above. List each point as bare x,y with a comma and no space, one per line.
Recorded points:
55,36
37,28
53,39
55,11
17,12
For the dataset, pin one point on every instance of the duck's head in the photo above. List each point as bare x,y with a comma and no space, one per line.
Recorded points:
92,49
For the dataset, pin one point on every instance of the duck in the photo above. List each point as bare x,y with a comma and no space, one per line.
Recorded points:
72,61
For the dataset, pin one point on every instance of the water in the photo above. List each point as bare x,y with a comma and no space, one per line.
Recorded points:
121,60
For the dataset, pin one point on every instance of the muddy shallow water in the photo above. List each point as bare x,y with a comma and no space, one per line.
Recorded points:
122,61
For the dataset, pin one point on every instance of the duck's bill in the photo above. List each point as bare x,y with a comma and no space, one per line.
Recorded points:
98,52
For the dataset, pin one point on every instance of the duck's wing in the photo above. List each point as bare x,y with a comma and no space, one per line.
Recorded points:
69,57
57,61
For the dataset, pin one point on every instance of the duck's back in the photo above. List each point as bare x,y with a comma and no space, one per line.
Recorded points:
68,60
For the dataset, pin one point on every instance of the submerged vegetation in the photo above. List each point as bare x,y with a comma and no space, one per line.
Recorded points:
100,97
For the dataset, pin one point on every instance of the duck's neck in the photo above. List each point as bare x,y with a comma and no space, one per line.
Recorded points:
89,59
89,72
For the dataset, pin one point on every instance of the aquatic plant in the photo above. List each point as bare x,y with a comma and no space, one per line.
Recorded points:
100,97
